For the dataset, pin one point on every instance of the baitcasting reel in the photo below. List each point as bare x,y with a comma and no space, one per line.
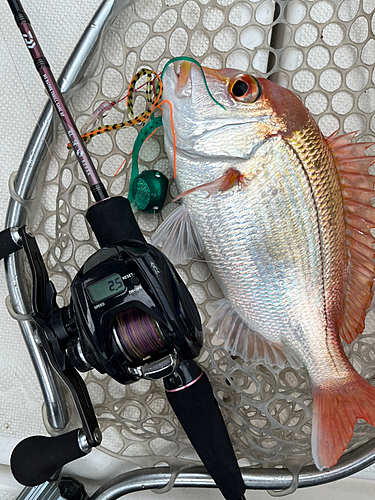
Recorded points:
132,317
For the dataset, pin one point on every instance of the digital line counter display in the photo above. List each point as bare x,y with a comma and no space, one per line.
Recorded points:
106,288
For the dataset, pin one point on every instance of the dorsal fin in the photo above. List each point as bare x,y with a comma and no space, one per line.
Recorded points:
357,188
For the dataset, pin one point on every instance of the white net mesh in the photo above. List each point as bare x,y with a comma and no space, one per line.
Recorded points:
324,51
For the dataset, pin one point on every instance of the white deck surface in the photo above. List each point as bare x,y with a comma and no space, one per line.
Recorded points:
58,26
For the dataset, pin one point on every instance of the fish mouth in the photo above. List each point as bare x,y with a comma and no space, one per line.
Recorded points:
184,84
189,73
203,113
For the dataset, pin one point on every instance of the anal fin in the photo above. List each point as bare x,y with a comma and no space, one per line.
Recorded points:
242,341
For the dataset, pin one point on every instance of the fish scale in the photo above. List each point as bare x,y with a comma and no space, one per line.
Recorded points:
261,292
266,303
318,163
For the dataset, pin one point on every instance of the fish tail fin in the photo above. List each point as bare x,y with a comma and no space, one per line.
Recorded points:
335,412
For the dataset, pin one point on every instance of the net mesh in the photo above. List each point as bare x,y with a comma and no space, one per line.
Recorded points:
324,51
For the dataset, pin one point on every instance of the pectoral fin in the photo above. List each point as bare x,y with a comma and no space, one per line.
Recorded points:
178,238
223,183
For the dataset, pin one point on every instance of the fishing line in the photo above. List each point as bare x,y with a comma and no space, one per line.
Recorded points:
190,59
137,334
24,89
120,167
32,112
173,133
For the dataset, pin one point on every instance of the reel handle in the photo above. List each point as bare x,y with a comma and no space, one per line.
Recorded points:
35,459
198,412
8,242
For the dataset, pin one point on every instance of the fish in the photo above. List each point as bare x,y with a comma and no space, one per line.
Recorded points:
290,245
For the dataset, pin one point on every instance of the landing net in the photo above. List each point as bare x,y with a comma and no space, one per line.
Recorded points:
325,52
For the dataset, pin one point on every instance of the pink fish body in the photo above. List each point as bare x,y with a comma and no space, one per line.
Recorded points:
290,246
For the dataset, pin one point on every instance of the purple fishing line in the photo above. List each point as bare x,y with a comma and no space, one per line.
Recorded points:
138,333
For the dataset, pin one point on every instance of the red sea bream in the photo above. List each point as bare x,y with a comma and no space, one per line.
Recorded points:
289,242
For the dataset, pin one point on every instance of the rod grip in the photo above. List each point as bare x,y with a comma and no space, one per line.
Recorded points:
198,412
35,459
7,244
113,221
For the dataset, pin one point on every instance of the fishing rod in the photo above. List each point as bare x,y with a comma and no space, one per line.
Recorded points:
130,316
41,64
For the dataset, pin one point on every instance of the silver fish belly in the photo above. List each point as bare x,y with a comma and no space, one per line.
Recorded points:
263,246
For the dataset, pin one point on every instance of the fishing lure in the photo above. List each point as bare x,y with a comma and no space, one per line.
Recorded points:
96,115
149,89
224,183
147,130
151,104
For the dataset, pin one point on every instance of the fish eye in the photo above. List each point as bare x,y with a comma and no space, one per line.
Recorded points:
245,88
239,88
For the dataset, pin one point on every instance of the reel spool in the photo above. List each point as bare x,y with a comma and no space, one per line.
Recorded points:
137,334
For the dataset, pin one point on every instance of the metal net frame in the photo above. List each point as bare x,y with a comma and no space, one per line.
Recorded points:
324,52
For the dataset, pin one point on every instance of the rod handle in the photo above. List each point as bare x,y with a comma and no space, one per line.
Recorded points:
198,412
113,221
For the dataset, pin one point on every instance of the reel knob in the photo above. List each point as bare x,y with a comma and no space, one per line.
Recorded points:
35,459
76,356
